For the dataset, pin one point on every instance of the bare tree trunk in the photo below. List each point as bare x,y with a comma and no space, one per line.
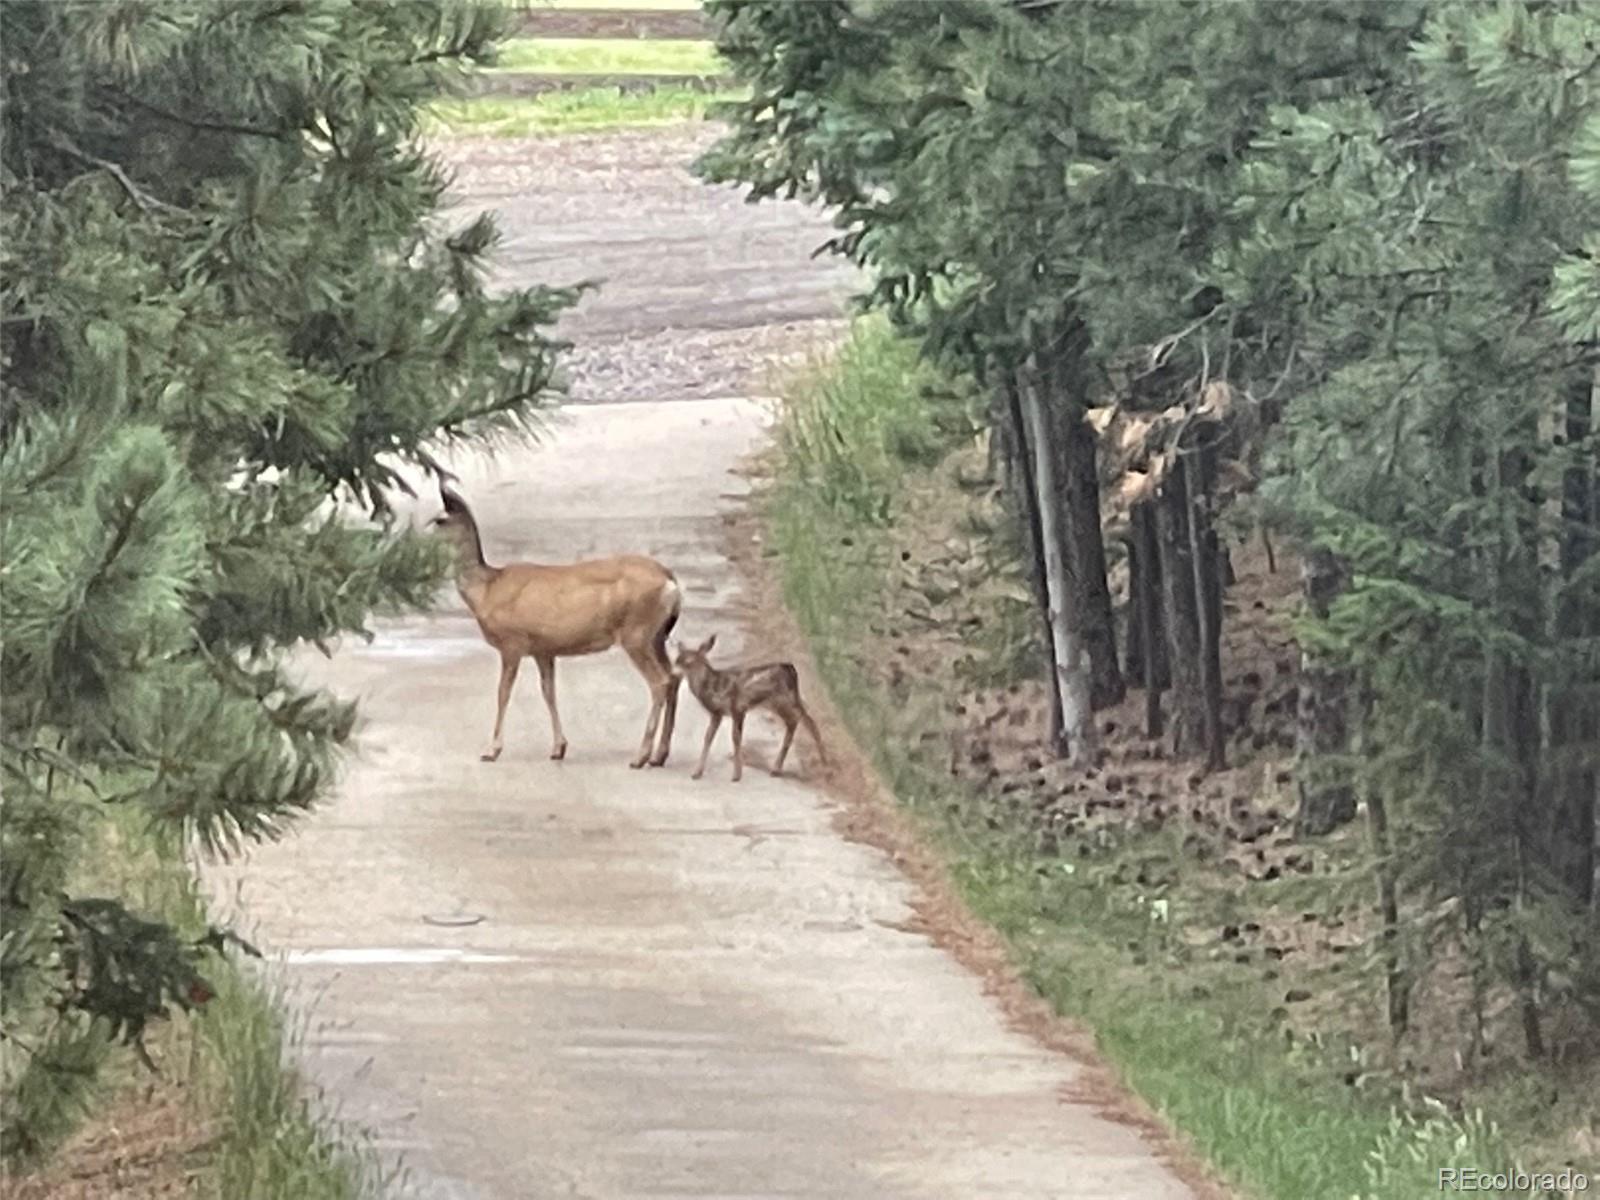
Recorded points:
1179,618
1027,495
1208,599
1086,552
1073,673
1060,371
1147,650
1322,726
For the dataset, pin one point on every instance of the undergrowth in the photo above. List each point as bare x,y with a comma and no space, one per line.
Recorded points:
246,1128
1279,1115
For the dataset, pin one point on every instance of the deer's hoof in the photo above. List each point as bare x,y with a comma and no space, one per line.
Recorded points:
559,752
777,772
697,775
489,755
636,763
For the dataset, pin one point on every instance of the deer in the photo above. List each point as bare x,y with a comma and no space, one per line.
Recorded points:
545,612
734,693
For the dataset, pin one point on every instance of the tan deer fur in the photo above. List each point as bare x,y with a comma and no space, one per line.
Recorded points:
530,610
733,693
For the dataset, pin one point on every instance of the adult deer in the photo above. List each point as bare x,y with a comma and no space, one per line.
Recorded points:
530,610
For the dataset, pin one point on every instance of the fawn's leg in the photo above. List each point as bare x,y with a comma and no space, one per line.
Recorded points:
711,733
510,663
738,746
547,684
790,721
816,737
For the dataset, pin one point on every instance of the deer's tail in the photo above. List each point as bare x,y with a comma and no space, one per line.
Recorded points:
672,606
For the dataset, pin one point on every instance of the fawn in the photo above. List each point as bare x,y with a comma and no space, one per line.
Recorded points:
733,693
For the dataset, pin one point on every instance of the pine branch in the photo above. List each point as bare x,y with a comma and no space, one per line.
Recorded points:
138,195
210,124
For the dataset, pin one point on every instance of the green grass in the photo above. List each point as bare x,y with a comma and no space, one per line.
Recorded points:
608,56
635,5
1197,1041
588,111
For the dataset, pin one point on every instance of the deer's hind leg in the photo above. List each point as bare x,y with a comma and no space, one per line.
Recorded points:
663,684
669,712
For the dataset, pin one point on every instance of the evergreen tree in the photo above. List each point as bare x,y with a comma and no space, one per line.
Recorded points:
1432,250
225,304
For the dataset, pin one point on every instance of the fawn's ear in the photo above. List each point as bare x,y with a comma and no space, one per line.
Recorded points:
705,646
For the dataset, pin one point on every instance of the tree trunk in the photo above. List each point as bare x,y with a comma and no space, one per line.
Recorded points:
1086,550
1178,617
1574,720
1322,723
1198,483
1073,676
1027,498
1147,648
1085,542
1383,866
1003,452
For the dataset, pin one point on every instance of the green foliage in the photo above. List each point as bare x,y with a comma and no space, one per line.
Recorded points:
226,309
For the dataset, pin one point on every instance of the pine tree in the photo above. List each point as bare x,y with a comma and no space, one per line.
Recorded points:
225,305
1445,449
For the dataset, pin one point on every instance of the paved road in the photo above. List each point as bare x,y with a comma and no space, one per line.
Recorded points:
677,989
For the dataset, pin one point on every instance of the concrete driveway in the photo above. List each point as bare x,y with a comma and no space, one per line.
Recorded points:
669,988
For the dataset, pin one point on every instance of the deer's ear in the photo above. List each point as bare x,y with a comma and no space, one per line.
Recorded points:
705,646
452,502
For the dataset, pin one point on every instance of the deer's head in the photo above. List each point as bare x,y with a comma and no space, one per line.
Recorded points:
456,522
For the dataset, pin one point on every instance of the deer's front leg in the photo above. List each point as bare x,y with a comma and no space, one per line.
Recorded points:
705,748
509,665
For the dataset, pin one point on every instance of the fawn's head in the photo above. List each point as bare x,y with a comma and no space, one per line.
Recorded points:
693,658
